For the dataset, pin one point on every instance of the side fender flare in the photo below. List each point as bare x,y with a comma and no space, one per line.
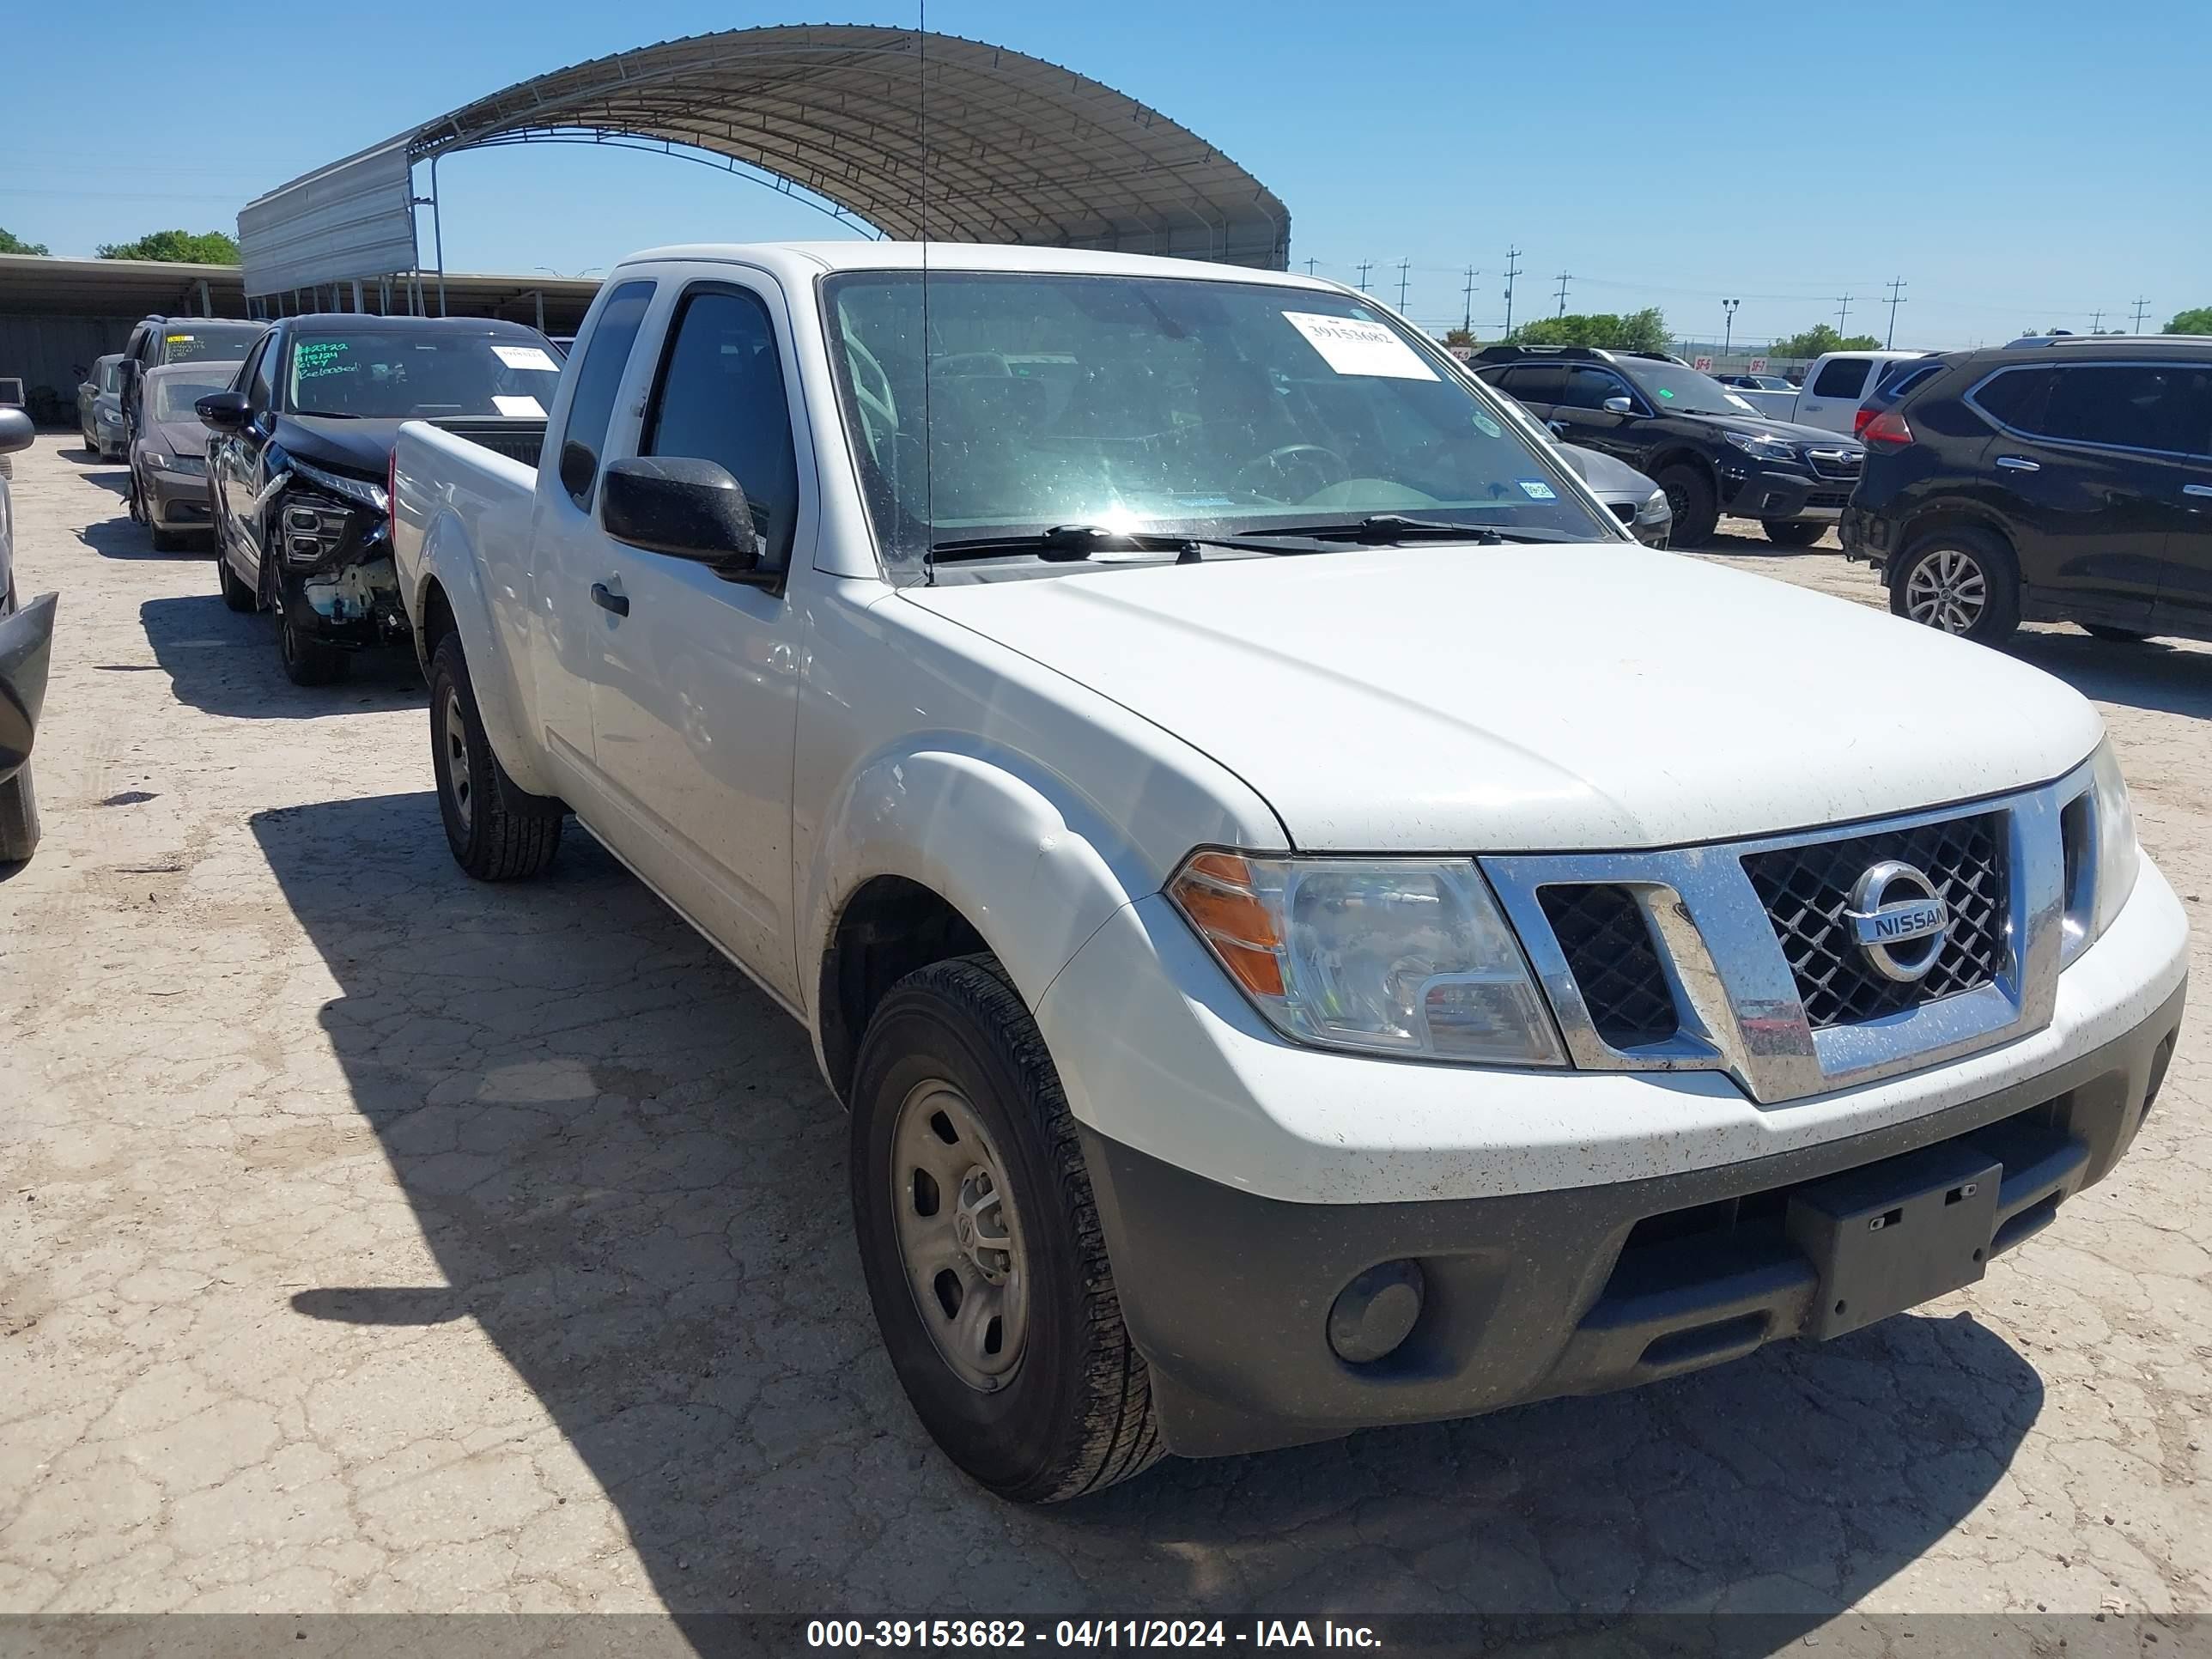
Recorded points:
1031,867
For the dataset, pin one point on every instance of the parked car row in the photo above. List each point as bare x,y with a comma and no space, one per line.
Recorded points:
1310,930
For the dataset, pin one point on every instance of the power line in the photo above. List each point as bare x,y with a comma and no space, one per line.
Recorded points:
1895,285
1512,269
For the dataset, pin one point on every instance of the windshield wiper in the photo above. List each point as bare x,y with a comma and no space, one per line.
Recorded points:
1384,529
1070,543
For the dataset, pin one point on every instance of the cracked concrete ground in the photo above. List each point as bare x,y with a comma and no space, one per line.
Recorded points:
372,1239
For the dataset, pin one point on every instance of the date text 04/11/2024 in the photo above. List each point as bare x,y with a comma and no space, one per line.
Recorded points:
1085,1633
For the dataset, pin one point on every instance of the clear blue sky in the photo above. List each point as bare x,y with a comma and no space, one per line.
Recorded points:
2021,164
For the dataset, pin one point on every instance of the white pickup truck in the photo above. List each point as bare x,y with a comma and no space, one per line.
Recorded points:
1835,386
1313,925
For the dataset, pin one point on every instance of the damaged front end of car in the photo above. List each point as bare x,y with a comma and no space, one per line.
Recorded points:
332,534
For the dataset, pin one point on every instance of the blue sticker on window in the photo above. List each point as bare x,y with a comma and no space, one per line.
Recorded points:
1537,490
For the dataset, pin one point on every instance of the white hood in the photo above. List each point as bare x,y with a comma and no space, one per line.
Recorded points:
1539,698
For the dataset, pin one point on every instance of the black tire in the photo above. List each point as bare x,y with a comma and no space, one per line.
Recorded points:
165,541
1074,1414
236,594
1793,532
19,817
2115,636
498,831
1981,552
308,660
1689,491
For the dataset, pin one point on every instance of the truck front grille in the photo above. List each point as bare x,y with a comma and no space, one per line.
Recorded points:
1807,889
1610,952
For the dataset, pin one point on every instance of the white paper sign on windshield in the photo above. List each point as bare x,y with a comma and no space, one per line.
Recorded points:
529,406
1352,347
525,357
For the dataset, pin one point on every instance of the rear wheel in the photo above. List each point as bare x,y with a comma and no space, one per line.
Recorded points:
981,1244
1963,582
2117,635
308,660
498,831
236,594
1690,494
1795,532
19,817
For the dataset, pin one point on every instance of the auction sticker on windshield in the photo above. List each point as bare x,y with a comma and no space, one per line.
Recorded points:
526,357
529,406
1352,347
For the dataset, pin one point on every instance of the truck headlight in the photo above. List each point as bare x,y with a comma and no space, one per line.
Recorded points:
1405,956
2102,855
1760,448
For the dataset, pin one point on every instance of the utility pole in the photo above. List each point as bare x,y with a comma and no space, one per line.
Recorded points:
1310,264
1466,308
1512,269
1896,286
1728,323
1404,265
2141,306
2096,321
1843,310
1566,277
1365,266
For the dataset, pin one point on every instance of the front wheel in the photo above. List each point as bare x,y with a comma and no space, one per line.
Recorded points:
1962,581
498,831
308,660
980,1240
19,817
1696,511
1795,532
237,595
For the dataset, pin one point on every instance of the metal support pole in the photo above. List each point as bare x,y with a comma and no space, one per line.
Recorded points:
207,303
356,294
538,295
438,230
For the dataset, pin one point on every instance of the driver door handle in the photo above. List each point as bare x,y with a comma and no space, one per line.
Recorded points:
608,600
2196,489
2017,463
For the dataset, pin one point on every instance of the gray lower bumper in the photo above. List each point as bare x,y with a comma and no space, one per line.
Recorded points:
1783,497
176,501
1228,1294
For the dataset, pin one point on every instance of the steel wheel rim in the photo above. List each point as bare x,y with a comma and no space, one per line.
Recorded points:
460,784
959,1235
1947,589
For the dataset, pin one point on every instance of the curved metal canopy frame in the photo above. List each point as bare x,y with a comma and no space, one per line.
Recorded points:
1017,150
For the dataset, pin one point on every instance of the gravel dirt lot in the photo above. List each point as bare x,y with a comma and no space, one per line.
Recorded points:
371,1239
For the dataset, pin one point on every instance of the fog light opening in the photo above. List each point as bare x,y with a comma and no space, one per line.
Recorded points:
1376,1312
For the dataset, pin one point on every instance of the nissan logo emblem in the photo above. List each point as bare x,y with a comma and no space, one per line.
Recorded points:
1899,921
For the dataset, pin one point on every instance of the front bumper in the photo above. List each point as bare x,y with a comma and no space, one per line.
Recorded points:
1531,1296
177,501
1762,492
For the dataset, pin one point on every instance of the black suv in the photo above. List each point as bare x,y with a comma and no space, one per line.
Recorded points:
2070,481
1712,452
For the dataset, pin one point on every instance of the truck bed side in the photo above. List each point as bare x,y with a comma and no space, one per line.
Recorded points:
460,534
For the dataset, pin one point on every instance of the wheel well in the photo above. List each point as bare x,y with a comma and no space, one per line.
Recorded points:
1680,456
888,929
437,622
1920,525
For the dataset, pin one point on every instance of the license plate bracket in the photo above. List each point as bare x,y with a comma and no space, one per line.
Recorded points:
1895,1234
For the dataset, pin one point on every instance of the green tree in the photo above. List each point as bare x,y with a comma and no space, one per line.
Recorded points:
1456,335
12,243
2197,319
1820,339
206,247
1639,330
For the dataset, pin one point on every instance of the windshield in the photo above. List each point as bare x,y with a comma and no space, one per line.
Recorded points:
1682,390
209,342
1162,404
174,399
402,375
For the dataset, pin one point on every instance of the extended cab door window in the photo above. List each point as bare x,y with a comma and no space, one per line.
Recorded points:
598,379
721,398
1842,379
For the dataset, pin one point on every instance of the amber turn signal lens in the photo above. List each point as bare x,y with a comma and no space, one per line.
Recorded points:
1214,892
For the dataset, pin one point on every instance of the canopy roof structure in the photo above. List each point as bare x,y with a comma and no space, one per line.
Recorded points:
913,135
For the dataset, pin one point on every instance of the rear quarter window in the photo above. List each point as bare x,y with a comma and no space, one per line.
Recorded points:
1844,379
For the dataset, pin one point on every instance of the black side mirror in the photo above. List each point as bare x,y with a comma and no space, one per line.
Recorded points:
223,411
686,508
15,431
579,466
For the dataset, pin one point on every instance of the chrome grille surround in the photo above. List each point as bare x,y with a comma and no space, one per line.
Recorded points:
1737,997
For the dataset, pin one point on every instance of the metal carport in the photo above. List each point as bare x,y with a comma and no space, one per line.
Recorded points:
908,134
